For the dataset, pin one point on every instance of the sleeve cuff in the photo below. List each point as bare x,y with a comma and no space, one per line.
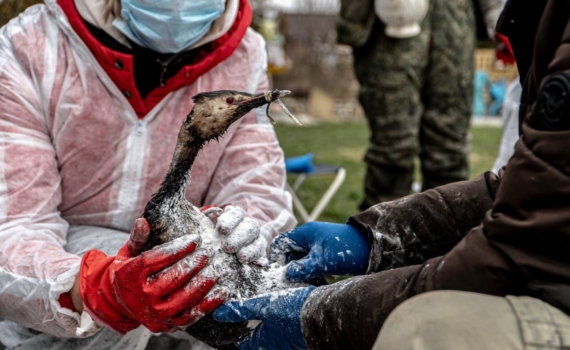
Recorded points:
76,325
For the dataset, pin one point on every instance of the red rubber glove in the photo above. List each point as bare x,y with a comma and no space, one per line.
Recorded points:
504,50
160,288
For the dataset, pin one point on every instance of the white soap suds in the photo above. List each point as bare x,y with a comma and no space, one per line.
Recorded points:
186,223
242,281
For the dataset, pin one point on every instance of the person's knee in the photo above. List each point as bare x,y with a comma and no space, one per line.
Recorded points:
423,315
449,320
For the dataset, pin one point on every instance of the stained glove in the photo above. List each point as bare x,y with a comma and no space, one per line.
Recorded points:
322,249
241,234
279,313
161,289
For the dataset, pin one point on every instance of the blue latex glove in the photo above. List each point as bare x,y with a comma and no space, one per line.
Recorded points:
279,313
321,249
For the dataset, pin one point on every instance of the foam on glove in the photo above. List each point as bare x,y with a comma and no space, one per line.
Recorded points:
241,234
279,313
162,289
316,249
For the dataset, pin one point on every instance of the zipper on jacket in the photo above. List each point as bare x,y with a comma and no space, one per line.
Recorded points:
131,177
139,128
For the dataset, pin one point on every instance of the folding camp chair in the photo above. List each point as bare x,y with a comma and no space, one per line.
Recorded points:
303,167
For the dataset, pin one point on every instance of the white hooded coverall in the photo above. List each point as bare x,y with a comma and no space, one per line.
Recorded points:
77,168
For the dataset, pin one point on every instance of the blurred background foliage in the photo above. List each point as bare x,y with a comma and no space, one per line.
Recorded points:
344,144
11,8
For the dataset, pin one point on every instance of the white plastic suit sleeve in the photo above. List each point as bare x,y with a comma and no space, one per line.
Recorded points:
510,125
79,240
34,268
252,173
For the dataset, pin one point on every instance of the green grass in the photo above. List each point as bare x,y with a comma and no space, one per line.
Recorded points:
344,144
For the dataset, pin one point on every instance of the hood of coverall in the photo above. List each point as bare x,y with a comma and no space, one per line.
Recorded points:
102,13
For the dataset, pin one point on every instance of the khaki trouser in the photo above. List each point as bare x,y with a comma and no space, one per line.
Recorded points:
448,320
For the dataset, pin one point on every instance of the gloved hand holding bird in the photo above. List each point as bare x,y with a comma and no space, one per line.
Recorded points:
192,259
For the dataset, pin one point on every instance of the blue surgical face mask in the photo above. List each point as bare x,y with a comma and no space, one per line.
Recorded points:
167,26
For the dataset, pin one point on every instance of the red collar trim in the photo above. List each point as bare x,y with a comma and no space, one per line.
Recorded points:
122,73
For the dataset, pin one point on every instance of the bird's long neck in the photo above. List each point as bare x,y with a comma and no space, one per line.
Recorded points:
178,175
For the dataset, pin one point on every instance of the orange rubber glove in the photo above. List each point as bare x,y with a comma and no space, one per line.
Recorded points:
161,289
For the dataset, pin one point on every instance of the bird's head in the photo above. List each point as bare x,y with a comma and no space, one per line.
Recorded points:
215,111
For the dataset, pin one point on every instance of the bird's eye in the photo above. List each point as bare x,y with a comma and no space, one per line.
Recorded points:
230,100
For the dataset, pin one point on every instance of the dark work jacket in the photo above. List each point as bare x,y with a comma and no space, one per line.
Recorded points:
497,235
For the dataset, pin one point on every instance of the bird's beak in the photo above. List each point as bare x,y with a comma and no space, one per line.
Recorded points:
265,98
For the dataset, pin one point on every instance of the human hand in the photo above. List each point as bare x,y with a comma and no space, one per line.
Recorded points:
279,313
322,249
242,234
161,289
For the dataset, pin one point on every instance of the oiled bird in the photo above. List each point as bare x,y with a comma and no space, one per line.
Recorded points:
171,216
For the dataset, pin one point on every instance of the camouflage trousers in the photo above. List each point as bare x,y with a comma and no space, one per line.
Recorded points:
417,95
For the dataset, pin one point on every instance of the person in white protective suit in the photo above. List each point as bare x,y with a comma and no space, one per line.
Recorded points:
92,95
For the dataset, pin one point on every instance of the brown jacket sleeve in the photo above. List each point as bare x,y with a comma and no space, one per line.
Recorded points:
525,238
418,227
